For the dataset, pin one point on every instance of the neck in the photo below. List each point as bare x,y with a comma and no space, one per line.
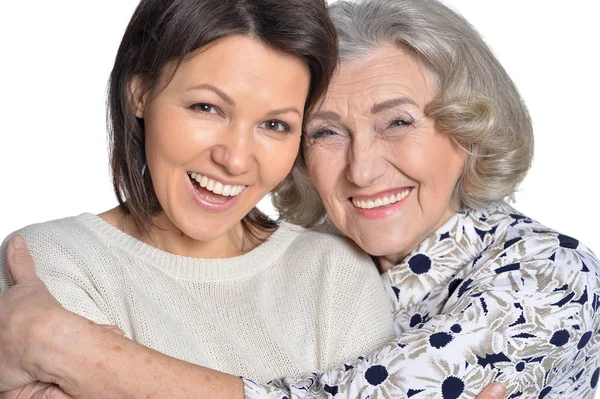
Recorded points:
386,262
165,236
168,237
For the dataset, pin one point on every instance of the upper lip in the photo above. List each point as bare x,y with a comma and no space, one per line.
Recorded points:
380,193
219,179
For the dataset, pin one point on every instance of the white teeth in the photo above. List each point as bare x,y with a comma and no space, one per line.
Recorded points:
203,181
383,201
216,187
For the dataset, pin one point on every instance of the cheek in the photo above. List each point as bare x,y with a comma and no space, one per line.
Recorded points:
277,158
171,140
321,165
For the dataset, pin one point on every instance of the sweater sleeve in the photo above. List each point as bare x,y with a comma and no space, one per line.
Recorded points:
528,319
62,267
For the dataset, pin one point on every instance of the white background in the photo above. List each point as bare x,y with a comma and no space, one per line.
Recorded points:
56,57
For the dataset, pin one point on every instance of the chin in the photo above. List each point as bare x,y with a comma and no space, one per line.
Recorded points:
202,231
386,244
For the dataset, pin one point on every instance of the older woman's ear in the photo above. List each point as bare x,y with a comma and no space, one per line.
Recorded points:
137,96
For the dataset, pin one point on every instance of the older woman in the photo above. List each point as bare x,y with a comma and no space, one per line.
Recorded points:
419,140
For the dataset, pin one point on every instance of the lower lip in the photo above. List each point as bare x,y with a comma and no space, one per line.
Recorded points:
383,211
209,205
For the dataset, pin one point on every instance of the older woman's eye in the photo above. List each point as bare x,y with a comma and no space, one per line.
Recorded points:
321,133
275,126
400,122
202,107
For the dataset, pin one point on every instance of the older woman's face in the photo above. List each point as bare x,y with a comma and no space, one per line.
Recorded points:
224,131
384,172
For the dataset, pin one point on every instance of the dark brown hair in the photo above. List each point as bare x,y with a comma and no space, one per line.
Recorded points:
161,31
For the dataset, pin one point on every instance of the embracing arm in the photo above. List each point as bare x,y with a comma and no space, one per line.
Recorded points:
43,341
528,320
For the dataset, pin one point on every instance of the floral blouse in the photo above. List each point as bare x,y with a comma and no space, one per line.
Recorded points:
491,295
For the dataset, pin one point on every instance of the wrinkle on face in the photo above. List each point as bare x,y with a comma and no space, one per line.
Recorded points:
375,105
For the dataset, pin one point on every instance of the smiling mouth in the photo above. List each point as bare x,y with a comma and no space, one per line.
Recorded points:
213,190
380,202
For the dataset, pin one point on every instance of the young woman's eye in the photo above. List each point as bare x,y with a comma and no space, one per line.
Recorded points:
275,126
202,107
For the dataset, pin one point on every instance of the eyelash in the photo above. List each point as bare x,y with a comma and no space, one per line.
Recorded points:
403,123
323,132
285,127
201,107
320,133
206,108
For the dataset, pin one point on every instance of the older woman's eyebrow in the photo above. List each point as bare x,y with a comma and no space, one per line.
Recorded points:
382,106
326,115
218,91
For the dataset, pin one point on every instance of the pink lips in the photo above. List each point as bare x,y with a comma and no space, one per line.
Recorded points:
382,211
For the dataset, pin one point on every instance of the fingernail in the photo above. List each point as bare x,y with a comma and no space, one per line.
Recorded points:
497,390
18,242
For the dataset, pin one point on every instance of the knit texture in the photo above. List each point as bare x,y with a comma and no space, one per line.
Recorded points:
301,301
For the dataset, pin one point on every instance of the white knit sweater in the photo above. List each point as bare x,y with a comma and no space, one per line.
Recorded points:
301,301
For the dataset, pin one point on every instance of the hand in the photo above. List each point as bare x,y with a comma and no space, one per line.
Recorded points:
27,314
27,301
36,390
495,390
44,390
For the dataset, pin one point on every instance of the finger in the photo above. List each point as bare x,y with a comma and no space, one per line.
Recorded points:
495,390
51,392
19,261
113,329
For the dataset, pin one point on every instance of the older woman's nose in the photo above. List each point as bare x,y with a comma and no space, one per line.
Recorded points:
366,165
234,153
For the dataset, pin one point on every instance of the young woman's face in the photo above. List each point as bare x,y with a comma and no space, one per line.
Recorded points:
223,132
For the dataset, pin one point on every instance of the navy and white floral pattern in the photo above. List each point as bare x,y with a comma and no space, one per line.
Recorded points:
491,295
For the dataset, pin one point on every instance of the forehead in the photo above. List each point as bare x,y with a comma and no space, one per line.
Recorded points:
387,71
243,65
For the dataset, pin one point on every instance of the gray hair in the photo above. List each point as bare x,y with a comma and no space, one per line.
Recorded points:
477,102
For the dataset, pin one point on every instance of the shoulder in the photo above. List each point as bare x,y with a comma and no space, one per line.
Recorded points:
525,237
63,246
57,236
327,259
522,246
332,250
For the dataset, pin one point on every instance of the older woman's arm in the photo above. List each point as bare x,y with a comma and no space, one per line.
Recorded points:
85,359
43,341
523,311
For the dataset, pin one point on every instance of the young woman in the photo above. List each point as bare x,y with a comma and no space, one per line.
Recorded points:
206,106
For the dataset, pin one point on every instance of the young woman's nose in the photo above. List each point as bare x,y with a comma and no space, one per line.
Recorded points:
235,151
